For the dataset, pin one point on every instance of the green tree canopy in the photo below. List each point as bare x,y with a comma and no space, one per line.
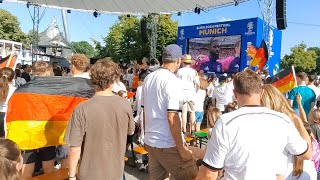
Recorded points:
83,47
301,58
124,40
100,51
317,51
10,27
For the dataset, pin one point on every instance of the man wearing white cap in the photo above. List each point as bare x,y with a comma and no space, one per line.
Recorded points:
190,81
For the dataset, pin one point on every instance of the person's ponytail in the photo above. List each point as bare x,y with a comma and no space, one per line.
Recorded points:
6,76
4,88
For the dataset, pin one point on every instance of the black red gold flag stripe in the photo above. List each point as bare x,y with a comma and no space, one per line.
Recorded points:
8,61
261,57
284,81
39,111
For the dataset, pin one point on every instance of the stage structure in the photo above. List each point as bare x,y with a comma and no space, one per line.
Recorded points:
225,47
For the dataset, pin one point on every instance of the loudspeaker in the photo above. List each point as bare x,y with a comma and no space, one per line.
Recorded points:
143,28
281,14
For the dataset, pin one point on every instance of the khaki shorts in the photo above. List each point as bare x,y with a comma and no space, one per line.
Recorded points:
165,161
188,107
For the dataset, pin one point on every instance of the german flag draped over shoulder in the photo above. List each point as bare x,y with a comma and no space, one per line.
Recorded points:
38,112
284,81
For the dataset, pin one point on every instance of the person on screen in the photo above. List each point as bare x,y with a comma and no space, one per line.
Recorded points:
234,65
213,65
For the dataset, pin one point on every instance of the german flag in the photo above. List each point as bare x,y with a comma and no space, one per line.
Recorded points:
8,61
284,81
261,57
38,112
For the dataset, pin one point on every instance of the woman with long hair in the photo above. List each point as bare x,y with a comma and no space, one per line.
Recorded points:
10,160
314,121
6,90
295,168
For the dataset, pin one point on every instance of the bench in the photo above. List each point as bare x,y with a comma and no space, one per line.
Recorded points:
61,174
202,135
188,139
140,150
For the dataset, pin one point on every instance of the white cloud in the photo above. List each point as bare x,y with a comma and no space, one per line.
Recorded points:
224,19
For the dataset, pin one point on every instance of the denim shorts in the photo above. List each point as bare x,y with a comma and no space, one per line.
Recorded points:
199,117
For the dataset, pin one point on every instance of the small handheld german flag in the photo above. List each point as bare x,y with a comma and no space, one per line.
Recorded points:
261,57
284,81
8,61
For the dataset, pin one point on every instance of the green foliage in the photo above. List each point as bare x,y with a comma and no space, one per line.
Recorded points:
317,51
28,41
10,27
83,47
167,32
100,51
124,41
301,58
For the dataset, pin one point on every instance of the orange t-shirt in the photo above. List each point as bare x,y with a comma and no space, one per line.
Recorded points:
135,82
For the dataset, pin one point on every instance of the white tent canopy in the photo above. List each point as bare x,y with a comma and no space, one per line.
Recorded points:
135,7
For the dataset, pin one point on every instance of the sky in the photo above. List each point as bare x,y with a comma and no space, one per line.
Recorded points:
302,16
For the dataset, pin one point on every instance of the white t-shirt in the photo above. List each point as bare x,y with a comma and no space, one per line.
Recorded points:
129,78
248,143
189,80
139,118
211,88
230,96
118,86
137,103
4,105
84,75
19,82
221,93
199,100
309,171
161,93
316,91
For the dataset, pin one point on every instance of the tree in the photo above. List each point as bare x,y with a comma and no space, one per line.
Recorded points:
100,51
167,32
302,59
10,27
124,40
83,47
317,51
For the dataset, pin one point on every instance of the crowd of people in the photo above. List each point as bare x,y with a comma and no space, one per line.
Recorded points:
254,131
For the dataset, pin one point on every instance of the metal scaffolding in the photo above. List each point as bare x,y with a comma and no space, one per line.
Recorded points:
267,11
36,18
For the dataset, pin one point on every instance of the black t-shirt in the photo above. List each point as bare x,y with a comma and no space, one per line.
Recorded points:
26,76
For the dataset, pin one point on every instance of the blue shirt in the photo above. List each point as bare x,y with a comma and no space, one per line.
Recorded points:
308,97
234,65
211,66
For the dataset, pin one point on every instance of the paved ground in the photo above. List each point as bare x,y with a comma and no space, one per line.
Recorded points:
133,173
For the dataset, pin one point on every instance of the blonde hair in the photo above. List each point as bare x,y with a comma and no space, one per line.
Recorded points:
272,98
314,116
80,61
212,116
41,68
